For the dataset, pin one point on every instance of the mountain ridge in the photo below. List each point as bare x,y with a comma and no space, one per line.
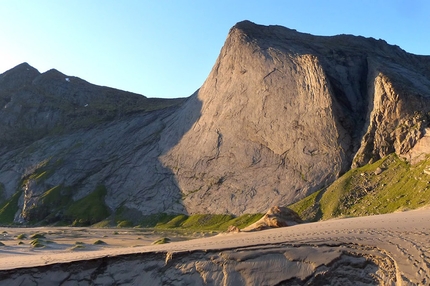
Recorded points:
281,115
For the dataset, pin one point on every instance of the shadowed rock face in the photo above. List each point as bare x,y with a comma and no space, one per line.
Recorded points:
281,115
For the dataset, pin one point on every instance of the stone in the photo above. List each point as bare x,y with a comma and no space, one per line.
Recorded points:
275,217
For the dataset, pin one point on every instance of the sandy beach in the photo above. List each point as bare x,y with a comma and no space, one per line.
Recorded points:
395,248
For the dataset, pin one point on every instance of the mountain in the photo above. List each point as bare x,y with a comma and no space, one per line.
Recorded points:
281,115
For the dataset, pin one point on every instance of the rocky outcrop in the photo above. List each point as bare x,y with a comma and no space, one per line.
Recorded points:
420,150
275,217
281,115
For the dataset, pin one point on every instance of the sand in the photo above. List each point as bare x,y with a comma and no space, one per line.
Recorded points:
394,247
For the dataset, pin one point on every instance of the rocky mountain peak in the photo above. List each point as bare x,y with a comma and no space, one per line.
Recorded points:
17,77
281,115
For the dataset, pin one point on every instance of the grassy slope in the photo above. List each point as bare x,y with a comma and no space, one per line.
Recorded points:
363,191
385,186
207,222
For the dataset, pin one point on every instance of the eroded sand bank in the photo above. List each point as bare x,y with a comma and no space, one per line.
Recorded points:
391,249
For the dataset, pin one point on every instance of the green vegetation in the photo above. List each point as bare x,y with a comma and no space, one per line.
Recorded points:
89,209
124,223
102,224
162,240
99,242
386,186
21,236
78,245
37,235
2,191
37,243
9,208
206,222
56,196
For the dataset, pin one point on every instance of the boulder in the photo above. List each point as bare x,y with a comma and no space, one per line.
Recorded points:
275,217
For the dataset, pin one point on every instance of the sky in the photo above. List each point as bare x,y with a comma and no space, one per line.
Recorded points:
162,48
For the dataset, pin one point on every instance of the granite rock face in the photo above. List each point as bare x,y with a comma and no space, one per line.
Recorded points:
281,115
285,114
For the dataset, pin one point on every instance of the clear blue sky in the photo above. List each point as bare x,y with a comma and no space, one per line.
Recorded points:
162,48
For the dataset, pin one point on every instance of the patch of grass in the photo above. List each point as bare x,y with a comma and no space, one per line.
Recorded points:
102,224
78,247
386,186
308,208
9,208
90,209
155,219
208,222
37,235
241,221
162,240
175,222
21,236
21,243
125,223
99,242
38,243
56,196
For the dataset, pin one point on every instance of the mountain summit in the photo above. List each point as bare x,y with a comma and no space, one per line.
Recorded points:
281,115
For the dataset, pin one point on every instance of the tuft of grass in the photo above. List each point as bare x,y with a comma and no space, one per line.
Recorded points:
21,236
77,247
99,242
37,235
162,240
38,243
125,223
102,224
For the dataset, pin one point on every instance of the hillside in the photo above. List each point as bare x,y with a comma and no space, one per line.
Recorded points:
281,116
388,185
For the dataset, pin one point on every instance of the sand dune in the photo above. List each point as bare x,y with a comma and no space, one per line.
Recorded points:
392,249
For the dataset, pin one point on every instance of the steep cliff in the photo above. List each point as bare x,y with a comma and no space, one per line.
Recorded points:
284,114
281,115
